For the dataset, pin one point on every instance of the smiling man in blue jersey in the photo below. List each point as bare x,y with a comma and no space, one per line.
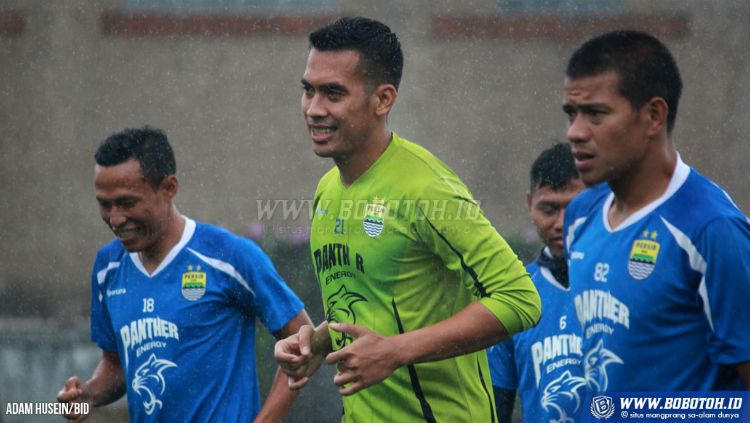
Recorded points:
174,301
659,255
544,362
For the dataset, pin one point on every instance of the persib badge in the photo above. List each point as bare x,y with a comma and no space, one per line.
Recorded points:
643,256
374,217
193,283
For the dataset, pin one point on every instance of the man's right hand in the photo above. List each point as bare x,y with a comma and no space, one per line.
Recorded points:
301,354
75,391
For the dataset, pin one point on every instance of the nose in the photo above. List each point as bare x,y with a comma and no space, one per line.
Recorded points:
116,218
313,106
559,219
578,130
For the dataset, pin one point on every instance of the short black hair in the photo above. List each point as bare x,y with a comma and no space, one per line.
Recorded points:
645,67
380,57
147,145
555,167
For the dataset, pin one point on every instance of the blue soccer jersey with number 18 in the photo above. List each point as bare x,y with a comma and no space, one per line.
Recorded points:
185,334
544,362
663,298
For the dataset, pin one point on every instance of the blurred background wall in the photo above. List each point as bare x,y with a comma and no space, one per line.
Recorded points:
482,89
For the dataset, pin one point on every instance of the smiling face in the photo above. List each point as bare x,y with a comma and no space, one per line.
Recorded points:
547,209
339,108
609,139
136,212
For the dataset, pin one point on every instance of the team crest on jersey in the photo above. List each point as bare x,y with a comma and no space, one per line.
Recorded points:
374,217
193,283
643,256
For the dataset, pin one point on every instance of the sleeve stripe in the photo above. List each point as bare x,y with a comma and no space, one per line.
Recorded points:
225,267
477,284
102,274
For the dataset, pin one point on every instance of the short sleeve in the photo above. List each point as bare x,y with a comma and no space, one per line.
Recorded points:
725,247
262,290
102,332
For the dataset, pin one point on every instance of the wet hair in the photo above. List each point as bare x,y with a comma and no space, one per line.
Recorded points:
555,168
644,65
381,60
147,145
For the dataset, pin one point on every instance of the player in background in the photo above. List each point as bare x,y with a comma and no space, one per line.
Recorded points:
659,255
174,301
544,362
415,281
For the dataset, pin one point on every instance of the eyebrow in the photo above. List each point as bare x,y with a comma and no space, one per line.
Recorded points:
333,86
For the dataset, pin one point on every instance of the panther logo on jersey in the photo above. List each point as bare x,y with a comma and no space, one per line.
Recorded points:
339,309
149,382
561,395
595,365
643,256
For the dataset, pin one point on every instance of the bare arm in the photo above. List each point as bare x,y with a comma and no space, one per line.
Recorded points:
280,397
373,357
106,385
744,370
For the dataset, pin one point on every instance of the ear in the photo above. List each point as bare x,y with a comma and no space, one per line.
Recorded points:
656,111
528,200
170,185
384,97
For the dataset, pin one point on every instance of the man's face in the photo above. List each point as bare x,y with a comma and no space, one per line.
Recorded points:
547,208
338,110
135,211
608,138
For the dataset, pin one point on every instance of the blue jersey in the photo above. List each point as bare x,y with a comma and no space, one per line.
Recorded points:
185,334
544,362
663,298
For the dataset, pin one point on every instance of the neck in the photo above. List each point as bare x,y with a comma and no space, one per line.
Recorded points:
643,183
353,165
153,256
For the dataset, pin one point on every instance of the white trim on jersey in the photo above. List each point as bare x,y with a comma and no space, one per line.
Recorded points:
549,276
697,263
187,233
679,177
102,274
223,267
572,232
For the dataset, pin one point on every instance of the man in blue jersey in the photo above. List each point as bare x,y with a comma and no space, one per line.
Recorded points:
544,363
659,255
174,301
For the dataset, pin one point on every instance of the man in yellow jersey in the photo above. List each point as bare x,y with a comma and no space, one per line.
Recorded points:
415,280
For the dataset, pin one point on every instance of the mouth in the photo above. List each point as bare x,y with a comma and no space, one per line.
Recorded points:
125,234
583,160
321,134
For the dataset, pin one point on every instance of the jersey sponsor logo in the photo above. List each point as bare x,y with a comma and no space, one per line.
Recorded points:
118,291
193,283
339,309
374,217
595,366
145,334
561,395
576,255
643,256
599,304
553,347
149,382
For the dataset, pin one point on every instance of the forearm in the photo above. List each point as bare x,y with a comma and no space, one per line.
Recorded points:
107,384
472,329
279,401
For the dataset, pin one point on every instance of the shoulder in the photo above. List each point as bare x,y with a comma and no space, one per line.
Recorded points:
428,176
701,201
327,181
111,252
588,201
220,243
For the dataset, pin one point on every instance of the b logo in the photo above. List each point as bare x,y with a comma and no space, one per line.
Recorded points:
602,407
